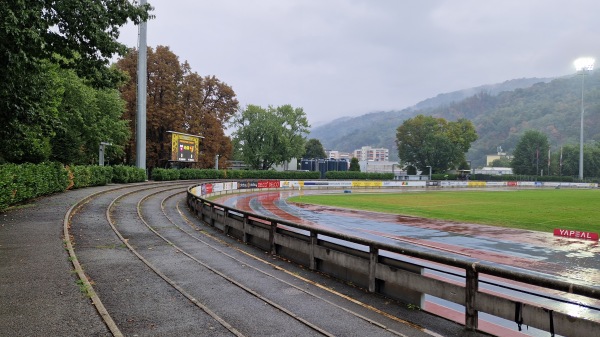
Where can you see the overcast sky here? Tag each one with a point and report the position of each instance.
(338, 58)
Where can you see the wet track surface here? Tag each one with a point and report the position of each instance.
(530, 250)
(559, 257)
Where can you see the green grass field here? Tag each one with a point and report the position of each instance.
(540, 210)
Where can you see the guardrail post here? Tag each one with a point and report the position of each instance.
(245, 228)
(373, 258)
(272, 237)
(212, 215)
(225, 222)
(471, 288)
(313, 246)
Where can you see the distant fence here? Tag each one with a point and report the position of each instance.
(384, 268)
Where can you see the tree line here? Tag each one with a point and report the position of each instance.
(60, 96)
(55, 77)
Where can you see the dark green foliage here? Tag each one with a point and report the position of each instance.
(85, 176)
(86, 117)
(269, 136)
(502, 162)
(354, 175)
(427, 141)
(36, 38)
(159, 174)
(314, 149)
(354, 166)
(19, 183)
(411, 170)
(128, 174)
(531, 153)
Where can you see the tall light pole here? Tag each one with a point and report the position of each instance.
(582, 65)
(142, 77)
(429, 172)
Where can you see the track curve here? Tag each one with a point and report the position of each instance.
(158, 272)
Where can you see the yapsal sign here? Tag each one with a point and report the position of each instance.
(576, 234)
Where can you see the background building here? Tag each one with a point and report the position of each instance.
(367, 153)
(338, 155)
(500, 155)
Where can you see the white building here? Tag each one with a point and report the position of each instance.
(367, 153)
(494, 170)
(379, 166)
(291, 165)
(338, 155)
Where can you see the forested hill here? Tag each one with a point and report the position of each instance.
(553, 107)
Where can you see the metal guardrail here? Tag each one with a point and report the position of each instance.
(373, 268)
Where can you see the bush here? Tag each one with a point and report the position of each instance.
(128, 174)
(23, 182)
(86, 176)
(160, 174)
(27, 181)
(355, 175)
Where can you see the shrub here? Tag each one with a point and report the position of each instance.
(85, 176)
(160, 174)
(355, 175)
(27, 181)
(128, 174)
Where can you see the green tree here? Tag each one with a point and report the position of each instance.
(266, 137)
(531, 153)
(427, 141)
(36, 35)
(87, 116)
(501, 162)
(26, 129)
(569, 165)
(354, 165)
(314, 149)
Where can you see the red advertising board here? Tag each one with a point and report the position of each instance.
(576, 234)
(511, 183)
(209, 188)
(268, 184)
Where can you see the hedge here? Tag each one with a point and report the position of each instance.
(85, 176)
(19, 183)
(160, 174)
(27, 181)
(128, 174)
(355, 175)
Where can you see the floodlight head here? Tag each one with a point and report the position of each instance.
(584, 63)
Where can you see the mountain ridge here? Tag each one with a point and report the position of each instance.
(500, 112)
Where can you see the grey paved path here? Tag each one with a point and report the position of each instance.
(38, 291)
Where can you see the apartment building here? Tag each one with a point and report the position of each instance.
(367, 153)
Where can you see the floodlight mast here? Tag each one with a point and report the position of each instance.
(141, 95)
(582, 65)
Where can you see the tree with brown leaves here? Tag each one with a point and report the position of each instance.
(179, 100)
